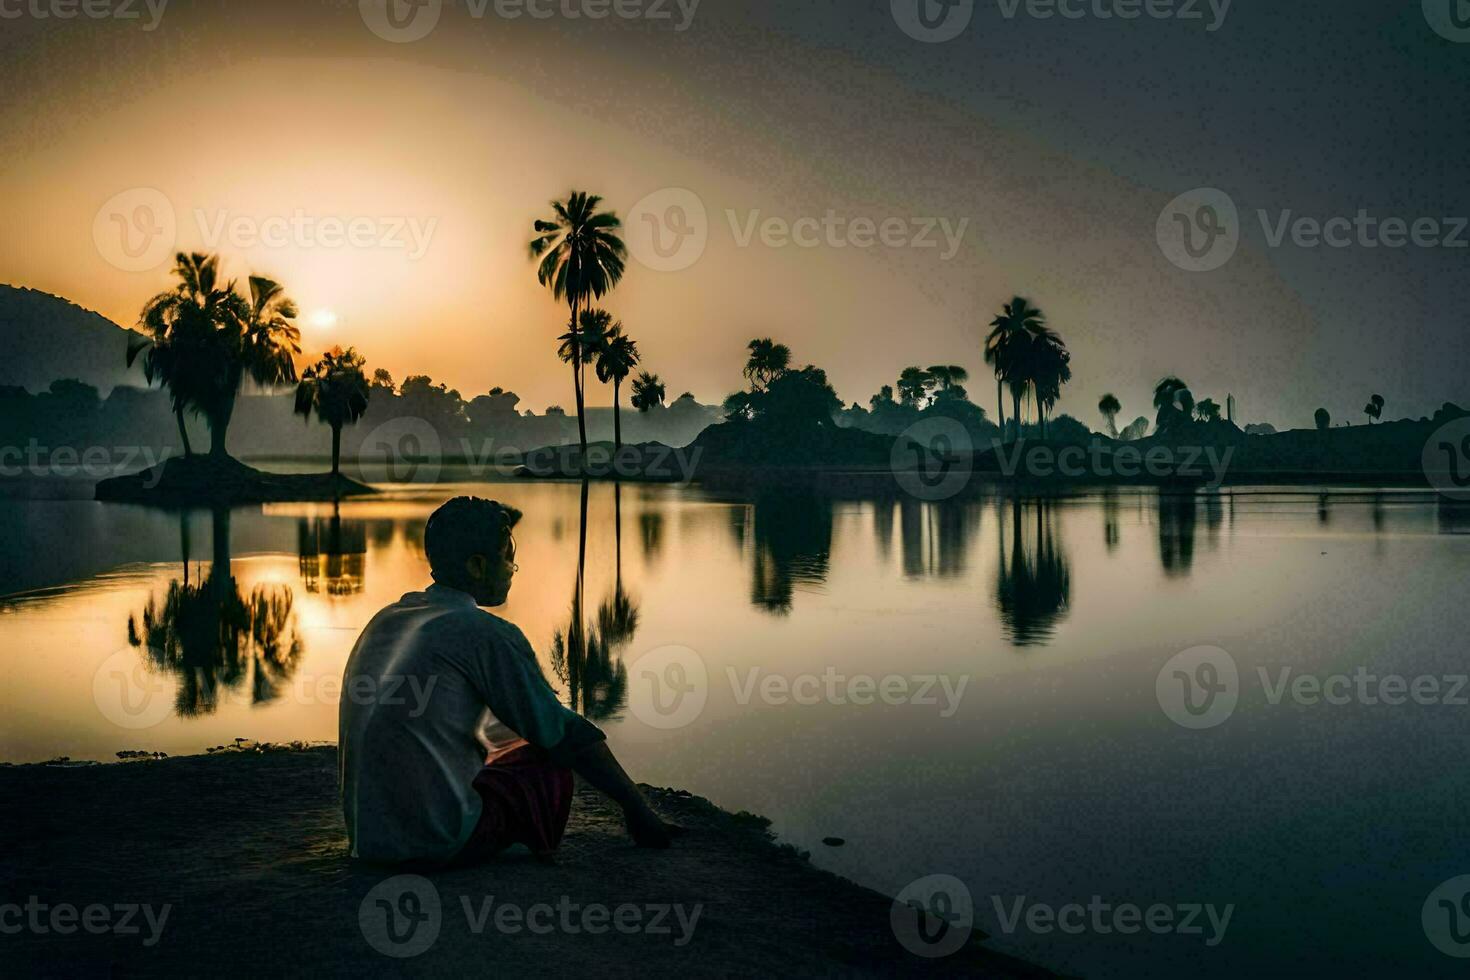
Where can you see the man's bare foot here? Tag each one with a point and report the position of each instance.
(648, 830)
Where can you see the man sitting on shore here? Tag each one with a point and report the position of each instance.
(415, 783)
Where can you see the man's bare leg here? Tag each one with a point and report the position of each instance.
(600, 767)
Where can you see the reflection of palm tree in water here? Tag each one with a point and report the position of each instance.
(793, 544)
(585, 654)
(1178, 516)
(332, 552)
(1032, 591)
(215, 639)
(1112, 532)
(936, 536)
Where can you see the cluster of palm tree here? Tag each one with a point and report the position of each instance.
(1028, 358)
(919, 386)
(580, 259)
(204, 337)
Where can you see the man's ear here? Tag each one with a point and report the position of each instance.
(477, 567)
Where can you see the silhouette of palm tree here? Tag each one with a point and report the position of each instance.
(1374, 409)
(1207, 411)
(1032, 593)
(1010, 333)
(648, 392)
(914, 385)
(581, 258)
(336, 390)
(204, 339)
(583, 657)
(213, 638)
(1109, 406)
(768, 361)
(615, 361)
(1174, 402)
(949, 377)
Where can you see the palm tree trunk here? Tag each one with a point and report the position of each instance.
(1000, 405)
(617, 419)
(577, 388)
(219, 425)
(336, 450)
(183, 432)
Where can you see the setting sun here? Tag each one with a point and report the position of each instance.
(322, 320)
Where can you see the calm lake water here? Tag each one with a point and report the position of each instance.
(970, 688)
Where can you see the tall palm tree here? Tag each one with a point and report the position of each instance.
(335, 389)
(648, 392)
(578, 346)
(178, 324)
(1050, 369)
(580, 258)
(1109, 406)
(615, 361)
(207, 339)
(1005, 349)
(768, 361)
(266, 344)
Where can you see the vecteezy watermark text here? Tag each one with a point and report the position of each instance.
(1104, 918)
(64, 919)
(1200, 231)
(406, 21)
(669, 230)
(93, 462)
(1106, 462)
(128, 10)
(937, 21)
(670, 685)
(403, 916)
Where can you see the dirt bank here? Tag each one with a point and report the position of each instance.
(248, 852)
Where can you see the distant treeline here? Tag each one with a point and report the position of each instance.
(73, 414)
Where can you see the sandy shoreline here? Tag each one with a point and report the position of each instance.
(248, 853)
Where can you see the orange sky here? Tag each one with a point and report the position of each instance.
(247, 117)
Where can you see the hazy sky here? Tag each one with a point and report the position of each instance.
(1046, 147)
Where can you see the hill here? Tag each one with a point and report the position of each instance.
(46, 337)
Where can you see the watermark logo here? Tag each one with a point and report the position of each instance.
(933, 459)
(669, 687)
(91, 9)
(1449, 18)
(668, 230)
(1199, 231)
(401, 21)
(128, 694)
(393, 233)
(933, 916)
(65, 919)
(1446, 917)
(405, 450)
(401, 917)
(1105, 918)
(1447, 460)
(135, 230)
(1199, 688)
(941, 691)
(933, 21)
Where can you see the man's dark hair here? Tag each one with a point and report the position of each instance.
(462, 528)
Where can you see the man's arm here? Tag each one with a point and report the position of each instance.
(596, 764)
